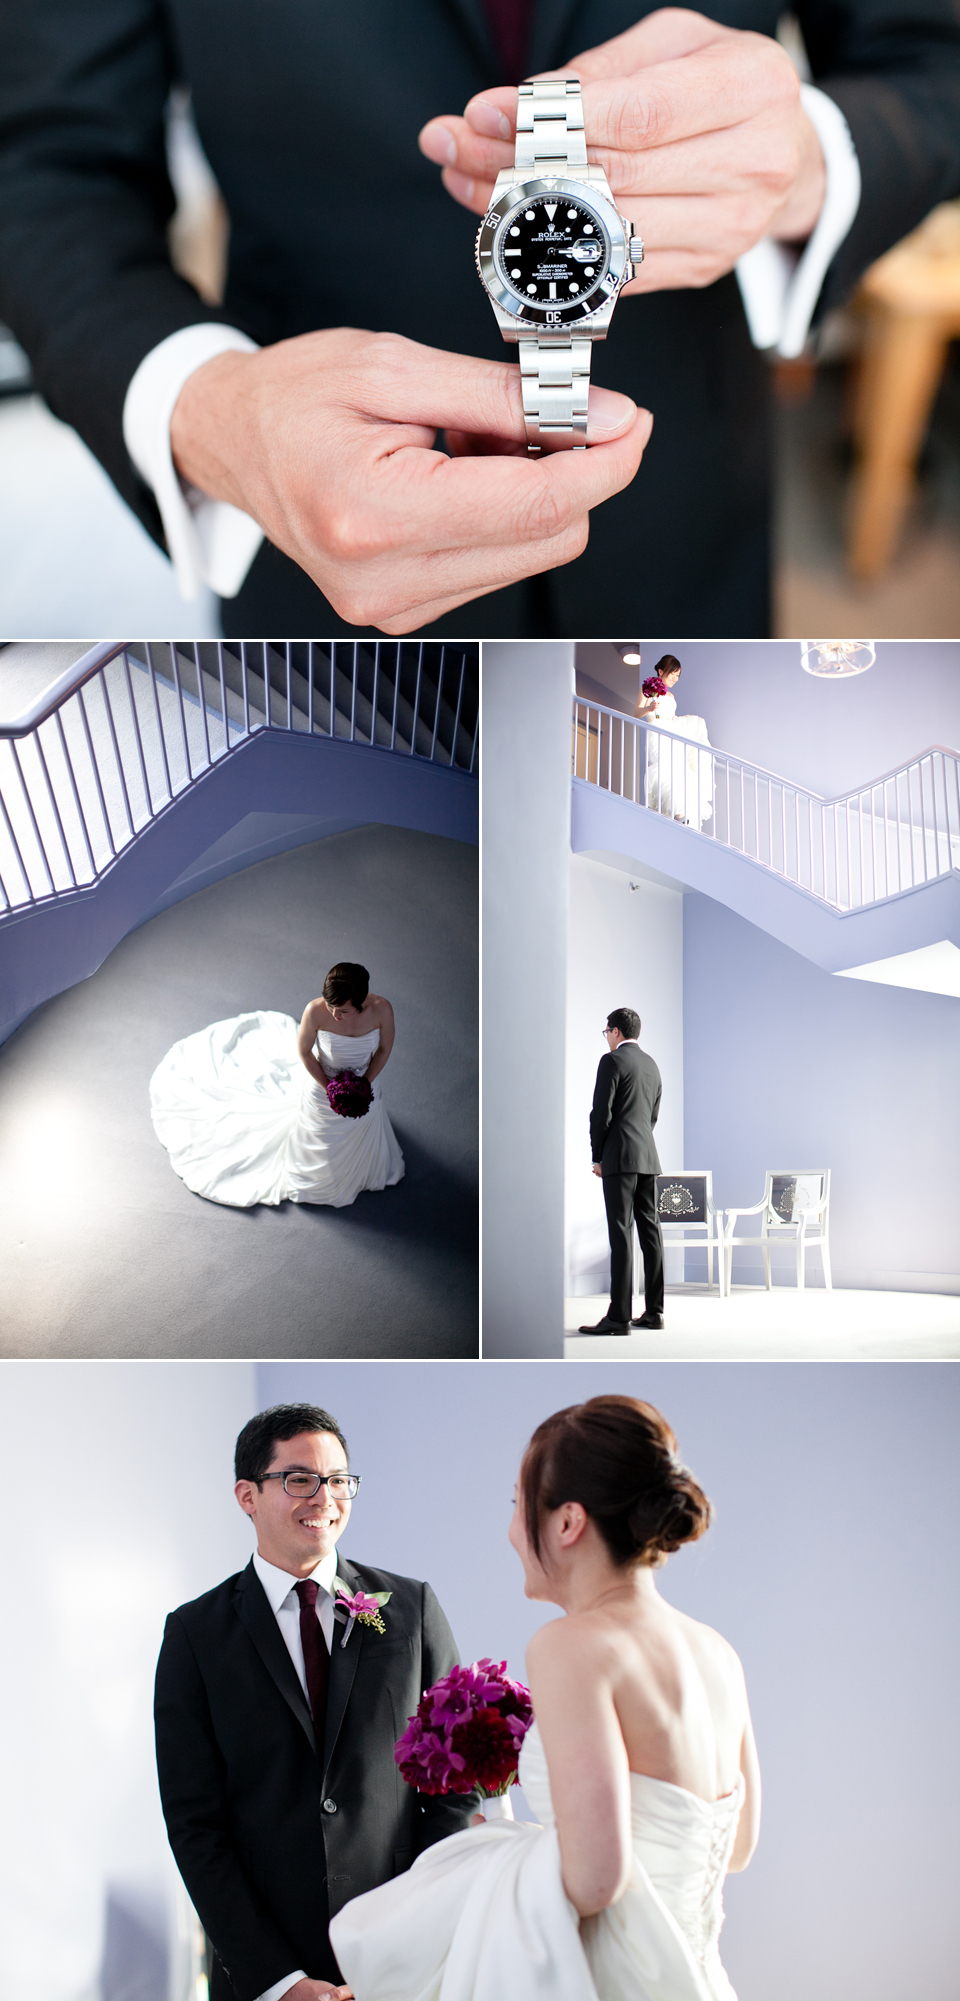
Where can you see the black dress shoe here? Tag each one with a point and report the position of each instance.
(607, 1326)
(648, 1320)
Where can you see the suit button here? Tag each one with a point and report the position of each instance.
(329, 1806)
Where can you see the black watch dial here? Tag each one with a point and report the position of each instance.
(553, 253)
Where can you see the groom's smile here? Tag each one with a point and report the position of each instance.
(293, 1532)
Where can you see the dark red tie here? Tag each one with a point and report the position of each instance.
(510, 27)
(316, 1659)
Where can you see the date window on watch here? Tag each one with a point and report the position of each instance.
(586, 250)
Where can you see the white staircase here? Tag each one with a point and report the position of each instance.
(127, 729)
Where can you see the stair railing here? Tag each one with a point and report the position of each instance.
(891, 835)
(111, 744)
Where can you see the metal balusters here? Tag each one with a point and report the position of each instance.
(375, 703)
(76, 794)
(459, 708)
(137, 738)
(436, 712)
(56, 813)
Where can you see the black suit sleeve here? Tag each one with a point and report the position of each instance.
(86, 282)
(193, 1792)
(441, 1813)
(893, 67)
(604, 1093)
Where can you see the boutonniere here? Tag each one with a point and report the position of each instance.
(362, 1605)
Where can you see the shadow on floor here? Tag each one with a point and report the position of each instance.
(106, 1253)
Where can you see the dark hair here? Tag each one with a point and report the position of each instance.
(669, 664)
(284, 1420)
(346, 982)
(618, 1457)
(627, 1020)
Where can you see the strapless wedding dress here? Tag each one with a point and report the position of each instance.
(243, 1122)
(678, 780)
(483, 1916)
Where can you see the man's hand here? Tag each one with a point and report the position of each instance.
(328, 442)
(699, 129)
(317, 1990)
(597, 1169)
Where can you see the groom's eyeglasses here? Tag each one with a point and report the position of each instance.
(303, 1486)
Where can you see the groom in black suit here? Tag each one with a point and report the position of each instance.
(626, 1104)
(276, 1723)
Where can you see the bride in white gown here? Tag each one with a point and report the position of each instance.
(641, 1763)
(679, 781)
(243, 1111)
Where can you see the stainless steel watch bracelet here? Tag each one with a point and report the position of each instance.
(555, 380)
(554, 368)
(550, 132)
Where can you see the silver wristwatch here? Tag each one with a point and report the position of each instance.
(553, 252)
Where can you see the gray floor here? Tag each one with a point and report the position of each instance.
(104, 1252)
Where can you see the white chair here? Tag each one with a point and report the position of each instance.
(796, 1202)
(685, 1203)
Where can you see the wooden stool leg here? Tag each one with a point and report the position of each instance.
(902, 367)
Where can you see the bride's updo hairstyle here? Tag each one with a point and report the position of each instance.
(618, 1457)
(344, 983)
(669, 664)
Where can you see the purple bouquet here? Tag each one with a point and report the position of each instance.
(467, 1732)
(654, 686)
(349, 1094)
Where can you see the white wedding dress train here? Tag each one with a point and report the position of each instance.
(483, 1916)
(244, 1122)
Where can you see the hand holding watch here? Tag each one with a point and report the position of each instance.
(553, 252)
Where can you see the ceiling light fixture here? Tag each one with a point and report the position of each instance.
(629, 652)
(837, 659)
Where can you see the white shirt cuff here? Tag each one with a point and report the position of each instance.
(281, 1987)
(779, 286)
(209, 542)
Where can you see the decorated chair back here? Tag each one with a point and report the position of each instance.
(685, 1198)
(791, 1190)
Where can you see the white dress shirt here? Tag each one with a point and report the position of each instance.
(211, 542)
(281, 1590)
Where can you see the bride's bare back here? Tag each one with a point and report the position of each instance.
(632, 1685)
(680, 1698)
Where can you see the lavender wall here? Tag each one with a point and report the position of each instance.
(759, 703)
(831, 1567)
(326, 785)
(785, 1065)
(831, 736)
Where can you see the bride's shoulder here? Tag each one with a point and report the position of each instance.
(711, 1648)
(578, 1639)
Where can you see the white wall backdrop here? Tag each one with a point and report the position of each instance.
(118, 1478)
(624, 949)
(525, 844)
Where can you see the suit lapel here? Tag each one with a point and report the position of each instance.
(553, 36)
(254, 1611)
(343, 1663)
(472, 17)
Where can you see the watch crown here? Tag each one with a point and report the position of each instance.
(635, 248)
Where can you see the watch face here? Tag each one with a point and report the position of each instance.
(553, 255)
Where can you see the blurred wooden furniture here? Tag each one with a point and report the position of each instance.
(910, 300)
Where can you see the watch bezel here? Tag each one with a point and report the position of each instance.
(577, 311)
